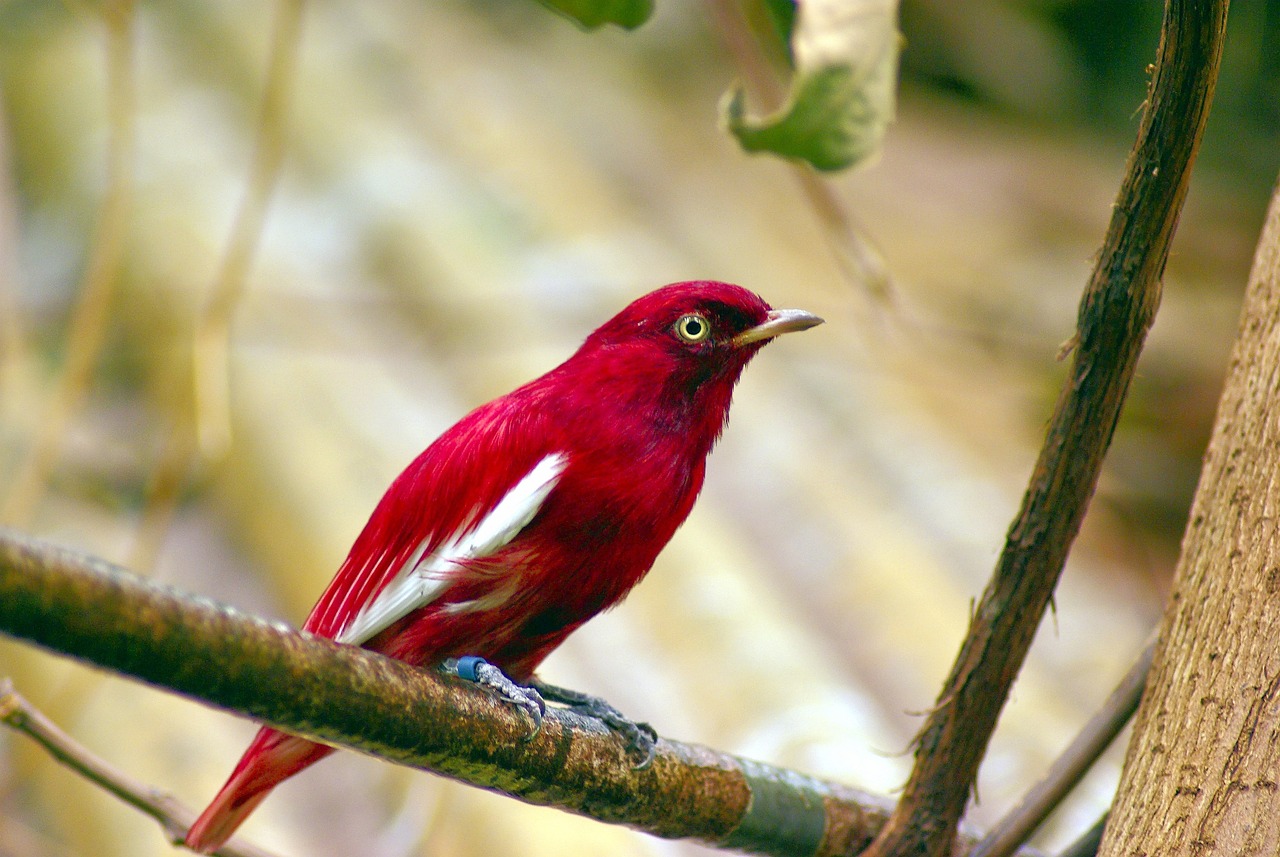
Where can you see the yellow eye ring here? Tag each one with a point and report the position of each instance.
(693, 327)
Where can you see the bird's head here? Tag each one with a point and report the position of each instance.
(683, 346)
(699, 323)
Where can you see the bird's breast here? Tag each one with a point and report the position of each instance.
(622, 505)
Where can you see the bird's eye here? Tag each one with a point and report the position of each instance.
(693, 327)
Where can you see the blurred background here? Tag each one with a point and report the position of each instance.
(255, 256)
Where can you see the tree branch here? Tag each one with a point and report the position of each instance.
(1116, 310)
(173, 816)
(342, 695)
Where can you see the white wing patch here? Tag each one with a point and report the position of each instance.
(422, 579)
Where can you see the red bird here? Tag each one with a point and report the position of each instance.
(534, 512)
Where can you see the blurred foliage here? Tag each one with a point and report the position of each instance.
(1061, 62)
(1068, 62)
(843, 91)
(628, 14)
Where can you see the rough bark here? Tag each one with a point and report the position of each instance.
(1203, 770)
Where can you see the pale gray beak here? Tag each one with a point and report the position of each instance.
(776, 323)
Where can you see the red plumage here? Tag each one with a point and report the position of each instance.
(535, 511)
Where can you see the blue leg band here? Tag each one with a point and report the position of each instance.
(468, 665)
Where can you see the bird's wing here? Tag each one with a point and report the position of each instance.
(428, 572)
(466, 496)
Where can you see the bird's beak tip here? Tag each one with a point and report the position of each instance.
(778, 322)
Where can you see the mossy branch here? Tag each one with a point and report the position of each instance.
(98, 613)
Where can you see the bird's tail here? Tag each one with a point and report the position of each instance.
(272, 758)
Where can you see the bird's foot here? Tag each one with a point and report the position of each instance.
(485, 674)
(641, 738)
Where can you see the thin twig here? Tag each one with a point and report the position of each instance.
(762, 81)
(1089, 842)
(855, 249)
(208, 430)
(164, 489)
(15, 355)
(89, 321)
(173, 816)
(1115, 313)
(213, 331)
(1067, 770)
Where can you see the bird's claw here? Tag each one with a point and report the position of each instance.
(485, 674)
(641, 738)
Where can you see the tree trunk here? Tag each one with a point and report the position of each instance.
(1203, 769)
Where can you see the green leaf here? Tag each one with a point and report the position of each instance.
(592, 14)
(844, 91)
(782, 16)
